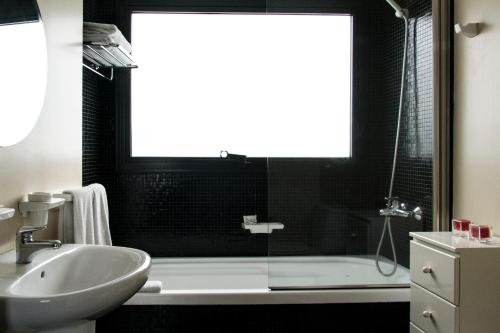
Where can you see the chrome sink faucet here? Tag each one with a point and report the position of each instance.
(26, 246)
(398, 209)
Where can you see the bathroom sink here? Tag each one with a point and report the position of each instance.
(70, 284)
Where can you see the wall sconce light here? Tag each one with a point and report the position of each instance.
(469, 30)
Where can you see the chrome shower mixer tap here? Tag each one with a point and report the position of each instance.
(397, 208)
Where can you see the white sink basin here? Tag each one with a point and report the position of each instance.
(70, 284)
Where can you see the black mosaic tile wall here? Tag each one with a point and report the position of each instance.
(413, 181)
(98, 129)
(91, 130)
(329, 206)
(97, 111)
(165, 213)
(334, 318)
(187, 214)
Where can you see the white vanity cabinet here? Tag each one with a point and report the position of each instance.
(455, 284)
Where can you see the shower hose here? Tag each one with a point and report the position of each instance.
(387, 222)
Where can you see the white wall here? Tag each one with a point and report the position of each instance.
(477, 115)
(50, 158)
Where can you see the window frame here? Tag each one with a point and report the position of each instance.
(124, 160)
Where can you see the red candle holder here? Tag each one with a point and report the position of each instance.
(481, 232)
(461, 227)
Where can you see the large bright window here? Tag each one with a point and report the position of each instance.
(259, 85)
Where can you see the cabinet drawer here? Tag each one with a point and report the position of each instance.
(431, 313)
(435, 270)
(415, 329)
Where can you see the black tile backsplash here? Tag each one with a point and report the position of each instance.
(329, 206)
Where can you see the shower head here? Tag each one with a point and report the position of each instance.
(400, 12)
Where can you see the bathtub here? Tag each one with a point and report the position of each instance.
(274, 280)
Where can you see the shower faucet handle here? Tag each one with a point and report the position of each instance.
(392, 201)
(395, 207)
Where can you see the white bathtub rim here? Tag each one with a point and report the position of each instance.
(255, 290)
(199, 274)
(255, 297)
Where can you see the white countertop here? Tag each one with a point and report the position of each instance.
(448, 241)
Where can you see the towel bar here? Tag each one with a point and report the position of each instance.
(100, 56)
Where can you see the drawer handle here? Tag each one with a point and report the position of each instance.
(427, 269)
(427, 314)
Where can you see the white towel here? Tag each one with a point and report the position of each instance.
(151, 287)
(102, 234)
(90, 221)
(103, 28)
(104, 33)
(83, 219)
(66, 226)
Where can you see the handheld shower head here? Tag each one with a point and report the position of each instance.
(400, 12)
